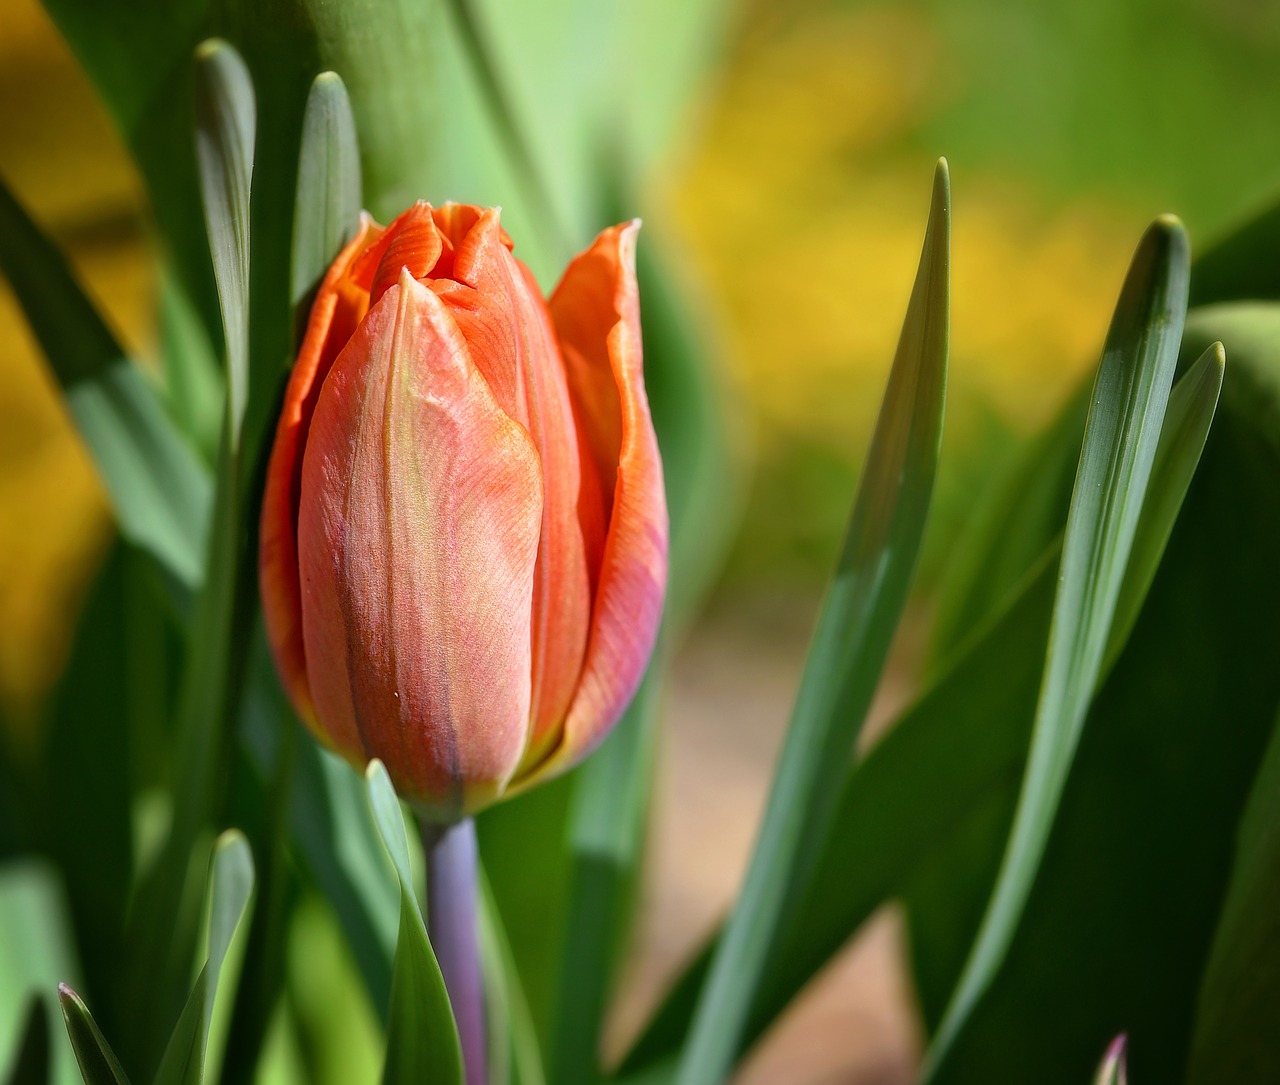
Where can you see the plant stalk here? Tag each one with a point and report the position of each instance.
(450, 852)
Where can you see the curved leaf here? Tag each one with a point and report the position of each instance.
(1129, 400)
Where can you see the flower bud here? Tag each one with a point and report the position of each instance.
(464, 531)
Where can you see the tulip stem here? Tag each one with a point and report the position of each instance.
(450, 852)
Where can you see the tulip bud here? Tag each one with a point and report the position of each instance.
(464, 531)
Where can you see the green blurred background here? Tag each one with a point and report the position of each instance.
(796, 194)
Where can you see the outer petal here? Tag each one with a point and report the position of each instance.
(596, 311)
(420, 514)
(339, 306)
(502, 315)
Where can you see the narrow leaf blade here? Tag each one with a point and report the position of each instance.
(1128, 406)
(328, 200)
(98, 1063)
(852, 640)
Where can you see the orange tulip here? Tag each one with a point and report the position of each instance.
(464, 532)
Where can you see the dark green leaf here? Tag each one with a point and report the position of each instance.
(955, 754)
(1129, 400)
(1235, 1037)
(98, 1063)
(158, 489)
(326, 210)
(854, 631)
(1124, 907)
(422, 1038)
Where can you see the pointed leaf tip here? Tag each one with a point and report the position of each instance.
(1113, 1071)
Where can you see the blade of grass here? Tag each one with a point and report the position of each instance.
(1127, 409)
(422, 1038)
(852, 639)
(328, 201)
(159, 491)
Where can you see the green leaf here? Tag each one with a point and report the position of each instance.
(854, 631)
(326, 210)
(954, 755)
(158, 490)
(98, 1063)
(422, 1038)
(1235, 1038)
(194, 1046)
(226, 123)
(1185, 429)
(1129, 400)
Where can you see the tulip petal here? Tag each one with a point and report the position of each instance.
(418, 531)
(596, 311)
(413, 243)
(501, 313)
(337, 310)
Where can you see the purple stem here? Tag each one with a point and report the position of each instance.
(451, 925)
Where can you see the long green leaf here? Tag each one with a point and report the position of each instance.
(98, 1063)
(961, 745)
(326, 210)
(1128, 406)
(1235, 1037)
(159, 491)
(1192, 405)
(422, 1038)
(226, 122)
(852, 640)
(192, 1048)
